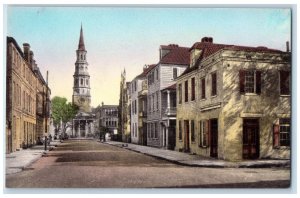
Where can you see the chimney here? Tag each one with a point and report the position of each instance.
(26, 49)
(287, 46)
(145, 67)
(207, 40)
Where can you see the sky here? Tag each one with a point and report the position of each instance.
(118, 38)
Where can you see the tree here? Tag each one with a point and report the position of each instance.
(62, 112)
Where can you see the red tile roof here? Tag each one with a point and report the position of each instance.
(177, 55)
(145, 72)
(210, 48)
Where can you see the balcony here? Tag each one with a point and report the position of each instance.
(143, 114)
(169, 112)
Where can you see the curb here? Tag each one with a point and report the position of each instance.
(38, 156)
(232, 165)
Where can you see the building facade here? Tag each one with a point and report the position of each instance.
(138, 111)
(233, 102)
(22, 82)
(124, 109)
(107, 117)
(173, 61)
(83, 123)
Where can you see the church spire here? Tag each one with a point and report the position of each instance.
(81, 41)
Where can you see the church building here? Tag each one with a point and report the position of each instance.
(83, 123)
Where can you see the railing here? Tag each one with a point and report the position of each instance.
(170, 111)
(143, 114)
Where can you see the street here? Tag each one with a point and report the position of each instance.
(90, 164)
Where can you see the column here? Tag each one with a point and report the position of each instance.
(92, 127)
(78, 129)
(163, 138)
(168, 100)
(86, 128)
(167, 134)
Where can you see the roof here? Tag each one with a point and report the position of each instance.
(177, 55)
(81, 45)
(209, 48)
(146, 71)
(12, 40)
(172, 87)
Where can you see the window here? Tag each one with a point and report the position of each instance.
(203, 88)
(153, 97)
(152, 130)
(87, 82)
(203, 136)
(156, 130)
(179, 130)
(174, 73)
(179, 94)
(193, 89)
(186, 91)
(282, 132)
(81, 81)
(250, 81)
(192, 131)
(157, 74)
(157, 101)
(214, 84)
(284, 83)
(149, 130)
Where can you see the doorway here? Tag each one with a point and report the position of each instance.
(250, 138)
(214, 138)
(187, 136)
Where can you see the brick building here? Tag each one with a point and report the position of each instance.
(22, 92)
(233, 102)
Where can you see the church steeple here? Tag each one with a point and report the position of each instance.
(81, 88)
(81, 41)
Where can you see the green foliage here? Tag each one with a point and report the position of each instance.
(62, 111)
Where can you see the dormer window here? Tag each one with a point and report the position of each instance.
(195, 54)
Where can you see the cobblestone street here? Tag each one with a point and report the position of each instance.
(90, 164)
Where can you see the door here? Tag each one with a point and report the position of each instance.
(187, 136)
(251, 139)
(171, 136)
(214, 138)
(144, 133)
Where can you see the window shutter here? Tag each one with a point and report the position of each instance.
(242, 81)
(284, 82)
(258, 82)
(276, 135)
(207, 132)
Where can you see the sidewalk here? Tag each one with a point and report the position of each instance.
(187, 159)
(19, 160)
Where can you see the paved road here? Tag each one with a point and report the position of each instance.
(90, 164)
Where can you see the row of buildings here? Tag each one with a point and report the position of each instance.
(27, 98)
(217, 100)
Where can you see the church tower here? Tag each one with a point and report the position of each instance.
(81, 87)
